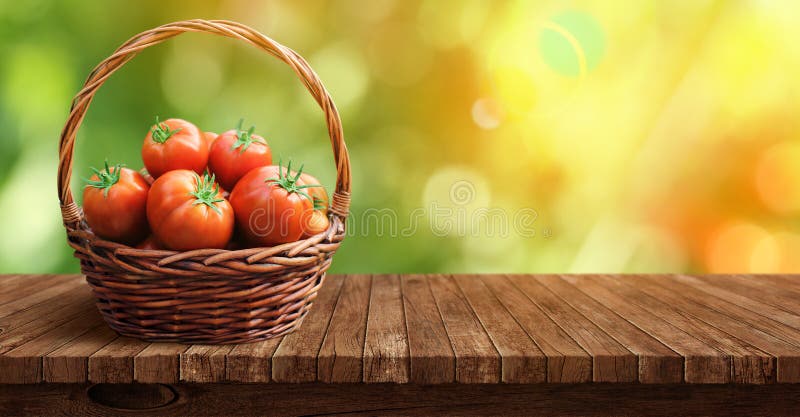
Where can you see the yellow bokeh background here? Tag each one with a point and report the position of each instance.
(646, 136)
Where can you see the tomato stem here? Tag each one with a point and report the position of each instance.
(161, 132)
(206, 192)
(289, 183)
(243, 137)
(105, 178)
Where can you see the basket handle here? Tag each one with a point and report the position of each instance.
(70, 211)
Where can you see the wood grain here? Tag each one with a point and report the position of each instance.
(23, 364)
(252, 362)
(70, 362)
(439, 329)
(432, 359)
(113, 363)
(703, 364)
(734, 303)
(31, 322)
(477, 360)
(204, 363)
(749, 364)
(159, 362)
(40, 291)
(658, 364)
(522, 361)
(757, 330)
(295, 360)
(611, 361)
(341, 355)
(756, 289)
(386, 356)
(566, 360)
(402, 400)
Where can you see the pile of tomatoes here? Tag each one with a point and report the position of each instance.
(202, 190)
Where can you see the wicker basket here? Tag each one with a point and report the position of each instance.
(208, 295)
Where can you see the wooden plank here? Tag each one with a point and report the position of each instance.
(406, 400)
(204, 363)
(788, 283)
(756, 289)
(658, 364)
(23, 364)
(159, 363)
(113, 363)
(295, 360)
(70, 362)
(477, 360)
(756, 320)
(703, 364)
(35, 320)
(13, 287)
(341, 355)
(611, 361)
(749, 364)
(432, 360)
(386, 357)
(764, 309)
(522, 362)
(38, 291)
(252, 362)
(746, 326)
(11, 282)
(567, 362)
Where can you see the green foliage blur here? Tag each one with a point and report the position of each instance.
(598, 121)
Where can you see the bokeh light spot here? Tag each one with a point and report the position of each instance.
(742, 247)
(451, 196)
(344, 71)
(516, 89)
(487, 113)
(777, 177)
(572, 43)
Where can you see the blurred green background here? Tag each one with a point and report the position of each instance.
(636, 136)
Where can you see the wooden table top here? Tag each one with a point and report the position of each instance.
(439, 329)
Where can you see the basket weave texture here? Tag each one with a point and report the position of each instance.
(212, 296)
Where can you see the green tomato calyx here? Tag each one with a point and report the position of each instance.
(161, 132)
(290, 183)
(207, 192)
(105, 178)
(243, 137)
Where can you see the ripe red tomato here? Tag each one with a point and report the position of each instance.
(187, 212)
(151, 243)
(114, 202)
(209, 137)
(316, 223)
(174, 144)
(317, 193)
(147, 177)
(236, 152)
(271, 206)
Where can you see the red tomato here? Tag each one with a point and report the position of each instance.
(174, 144)
(147, 177)
(316, 223)
(114, 202)
(271, 206)
(209, 137)
(187, 212)
(317, 193)
(236, 152)
(151, 243)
